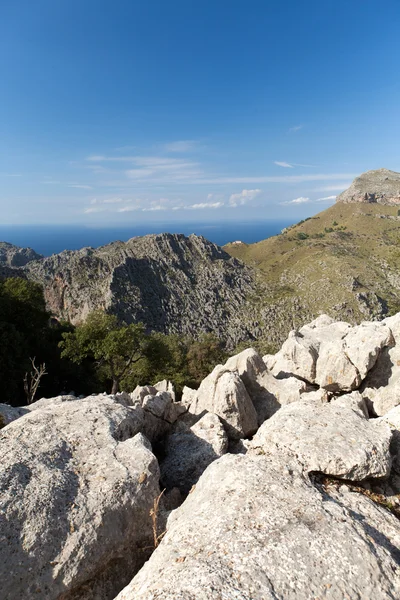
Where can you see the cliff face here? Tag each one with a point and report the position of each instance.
(172, 283)
(13, 256)
(381, 186)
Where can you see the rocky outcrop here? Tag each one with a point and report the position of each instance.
(336, 438)
(189, 451)
(77, 483)
(171, 283)
(332, 355)
(257, 528)
(381, 186)
(267, 392)
(224, 393)
(277, 485)
(14, 256)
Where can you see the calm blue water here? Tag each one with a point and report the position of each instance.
(49, 240)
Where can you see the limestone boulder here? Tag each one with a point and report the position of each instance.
(189, 451)
(166, 386)
(267, 392)
(77, 483)
(255, 528)
(332, 355)
(336, 438)
(381, 388)
(224, 393)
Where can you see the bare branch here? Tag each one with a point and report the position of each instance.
(32, 381)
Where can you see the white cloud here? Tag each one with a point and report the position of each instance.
(180, 146)
(112, 200)
(243, 197)
(154, 208)
(94, 209)
(296, 128)
(130, 208)
(326, 199)
(278, 179)
(283, 164)
(80, 187)
(206, 205)
(334, 188)
(301, 200)
(138, 173)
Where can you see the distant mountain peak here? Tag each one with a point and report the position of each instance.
(380, 186)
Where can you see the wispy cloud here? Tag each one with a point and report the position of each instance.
(295, 128)
(326, 199)
(181, 146)
(154, 208)
(301, 200)
(94, 209)
(292, 165)
(10, 174)
(278, 179)
(80, 187)
(243, 197)
(283, 164)
(204, 205)
(333, 188)
(129, 208)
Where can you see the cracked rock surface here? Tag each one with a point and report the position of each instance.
(255, 528)
(77, 483)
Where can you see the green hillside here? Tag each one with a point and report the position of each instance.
(344, 261)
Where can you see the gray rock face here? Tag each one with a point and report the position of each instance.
(224, 394)
(381, 186)
(10, 413)
(381, 388)
(256, 529)
(189, 451)
(14, 256)
(336, 438)
(171, 283)
(77, 483)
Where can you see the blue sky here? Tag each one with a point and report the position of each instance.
(132, 111)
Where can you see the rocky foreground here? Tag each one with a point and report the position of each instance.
(281, 478)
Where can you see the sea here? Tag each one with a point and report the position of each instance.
(51, 239)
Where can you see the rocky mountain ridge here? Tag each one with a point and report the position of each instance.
(281, 479)
(171, 283)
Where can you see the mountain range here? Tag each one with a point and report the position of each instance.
(344, 261)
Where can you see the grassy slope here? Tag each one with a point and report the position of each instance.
(351, 273)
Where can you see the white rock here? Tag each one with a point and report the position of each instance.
(333, 355)
(255, 529)
(75, 494)
(166, 386)
(267, 392)
(189, 451)
(224, 394)
(335, 438)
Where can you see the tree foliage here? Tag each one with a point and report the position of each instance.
(115, 348)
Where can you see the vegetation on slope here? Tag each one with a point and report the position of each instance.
(345, 261)
(100, 354)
